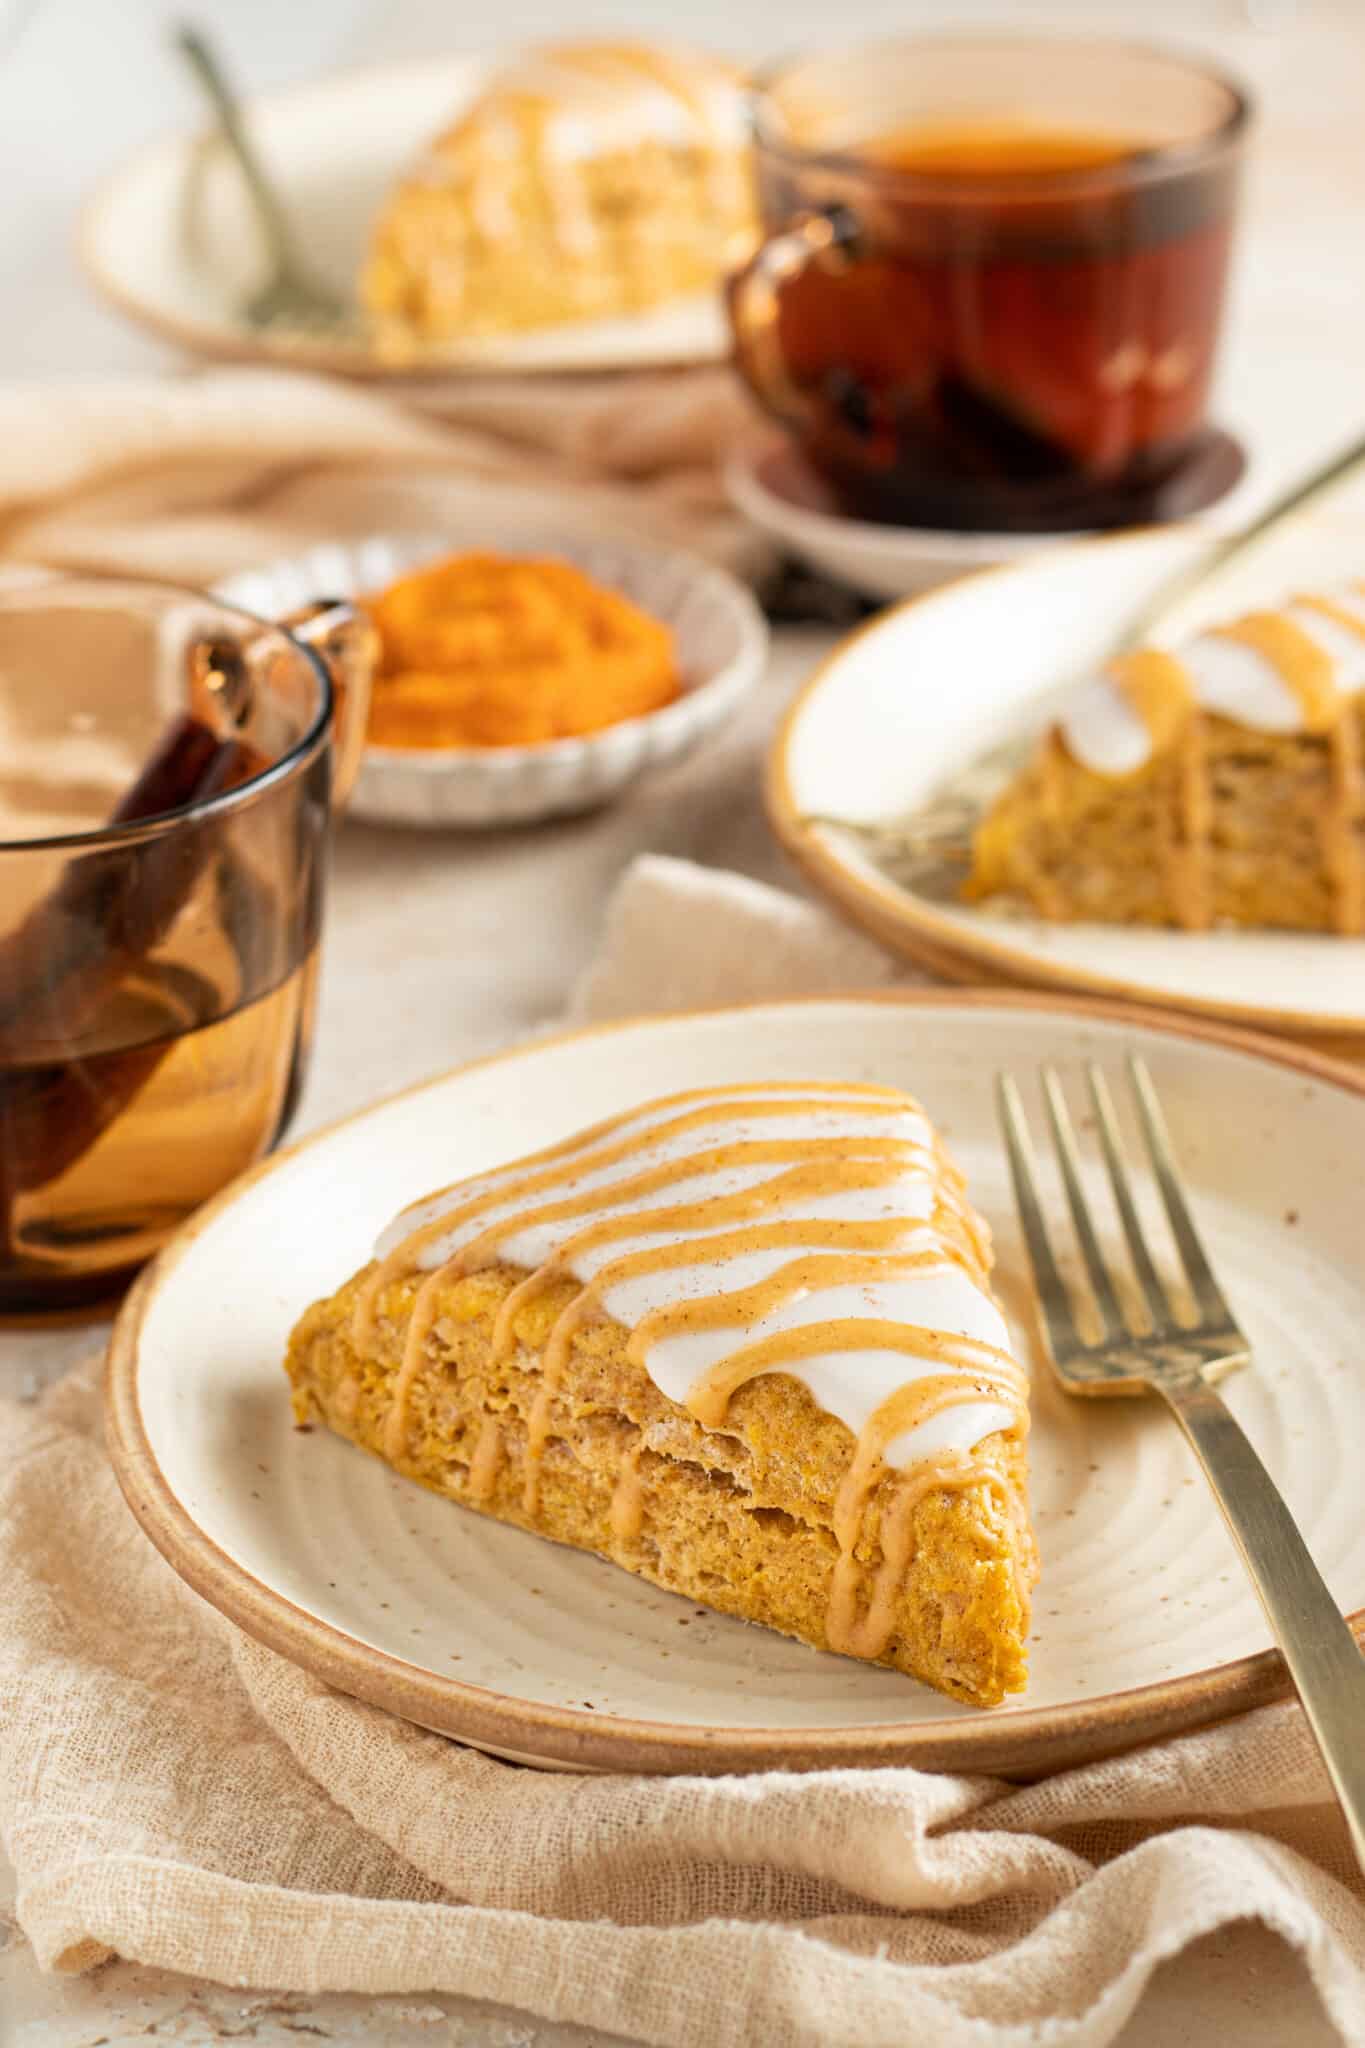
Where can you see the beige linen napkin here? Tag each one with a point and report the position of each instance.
(173, 1792)
(192, 477)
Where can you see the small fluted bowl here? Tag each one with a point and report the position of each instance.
(719, 632)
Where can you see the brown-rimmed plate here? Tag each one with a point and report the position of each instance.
(1144, 1623)
(907, 702)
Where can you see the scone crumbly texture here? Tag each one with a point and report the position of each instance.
(1258, 842)
(1221, 782)
(586, 182)
(738, 1518)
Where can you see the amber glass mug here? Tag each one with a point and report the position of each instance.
(993, 278)
(168, 770)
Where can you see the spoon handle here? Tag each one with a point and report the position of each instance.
(1232, 546)
(206, 67)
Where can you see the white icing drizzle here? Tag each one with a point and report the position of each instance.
(591, 99)
(1238, 683)
(1104, 730)
(1345, 645)
(807, 1220)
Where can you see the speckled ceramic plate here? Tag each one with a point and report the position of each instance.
(1143, 1623)
(170, 240)
(909, 700)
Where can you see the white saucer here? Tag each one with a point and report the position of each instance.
(781, 495)
(775, 488)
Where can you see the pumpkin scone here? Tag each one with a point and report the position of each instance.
(1222, 783)
(585, 181)
(739, 1340)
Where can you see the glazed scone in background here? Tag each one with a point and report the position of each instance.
(1223, 783)
(586, 181)
(741, 1342)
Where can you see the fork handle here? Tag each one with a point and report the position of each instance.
(1322, 1654)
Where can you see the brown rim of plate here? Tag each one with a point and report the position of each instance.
(1018, 1742)
(229, 342)
(915, 929)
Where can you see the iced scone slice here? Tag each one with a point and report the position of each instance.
(590, 180)
(1218, 783)
(742, 1342)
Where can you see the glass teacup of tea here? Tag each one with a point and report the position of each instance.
(168, 766)
(993, 282)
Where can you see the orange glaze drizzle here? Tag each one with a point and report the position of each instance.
(1307, 669)
(483, 1466)
(630, 67)
(1343, 828)
(747, 1304)
(483, 1251)
(627, 1512)
(709, 1399)
(867, 1634)
(1310, 672)
(1158, 688)
(1343, 825)
(585, 1152)
(1189, 831)
(833, 1252)
(1160, 691)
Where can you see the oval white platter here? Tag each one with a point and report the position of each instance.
(1144, 1622)
(905, 703)
(170, 240)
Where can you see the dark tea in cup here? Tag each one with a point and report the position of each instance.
(992, 289)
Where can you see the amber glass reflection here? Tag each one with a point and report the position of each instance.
(164, 770)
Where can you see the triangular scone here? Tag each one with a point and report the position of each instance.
(739, 1340)
(1220, 784)
(584, 181)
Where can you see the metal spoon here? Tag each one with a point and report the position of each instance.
(291, 297)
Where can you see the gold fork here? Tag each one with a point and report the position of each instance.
(1179, 1359)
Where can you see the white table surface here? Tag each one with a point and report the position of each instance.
(438, 949)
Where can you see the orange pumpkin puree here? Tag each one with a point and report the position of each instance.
(485, 650)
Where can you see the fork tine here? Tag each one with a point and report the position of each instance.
(1157, 1302)
(1198, 1271)
(1053, 1298)
(1064, 1137)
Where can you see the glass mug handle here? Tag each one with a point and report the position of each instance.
(828, 239)
(347, 644)
(224, 699)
